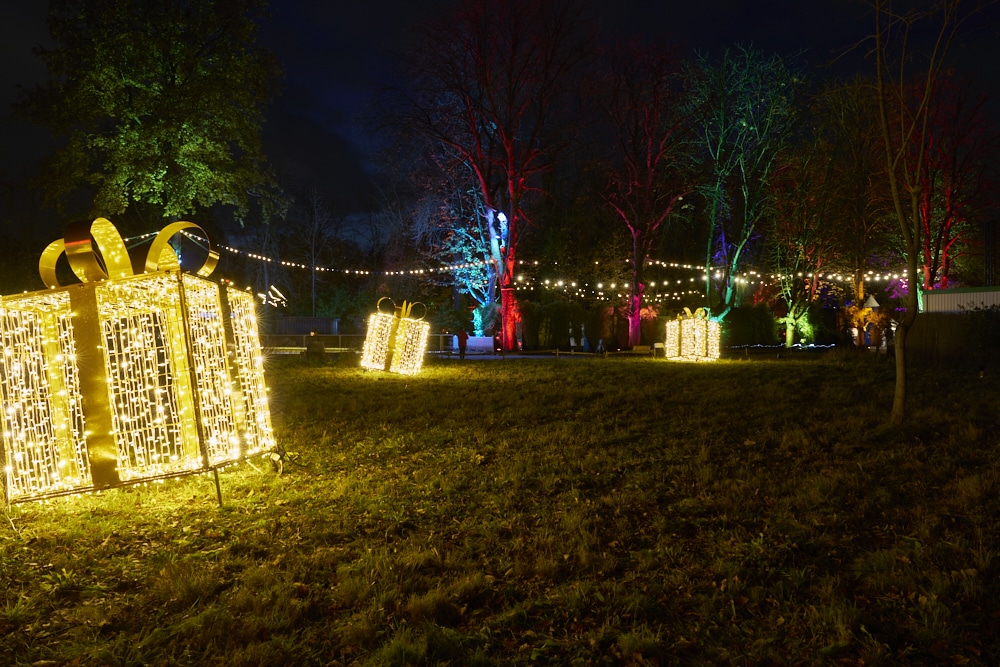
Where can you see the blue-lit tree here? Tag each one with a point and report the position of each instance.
(448, 227)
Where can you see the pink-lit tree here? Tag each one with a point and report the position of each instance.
(649, 123)
(493, 85)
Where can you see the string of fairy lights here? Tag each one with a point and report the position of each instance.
(178, 386)
(525, 280)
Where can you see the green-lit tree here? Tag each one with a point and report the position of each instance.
(745, 106)
(801, 229)
(160, 104)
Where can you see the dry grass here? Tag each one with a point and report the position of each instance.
(572, 511)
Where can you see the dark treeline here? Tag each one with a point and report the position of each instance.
(538, 167)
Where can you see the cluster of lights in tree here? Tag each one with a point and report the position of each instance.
(395, 342)
(126, 378)
(693, 338)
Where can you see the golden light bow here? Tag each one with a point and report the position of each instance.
(395, 341)
(139, 372)
(693, 337)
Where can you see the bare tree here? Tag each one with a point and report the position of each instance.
(311, 230)
(650, 173)
(801, 231)
(907, 140)
(863, 227)
(491, 84)
(746, 112)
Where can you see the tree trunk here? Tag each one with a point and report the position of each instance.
(902, 330)
(635, 319)
(789, 332)
(637, 290)
(509, 317)
(899, 393)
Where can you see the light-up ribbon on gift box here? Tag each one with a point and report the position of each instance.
(396, 341)
(110, 259)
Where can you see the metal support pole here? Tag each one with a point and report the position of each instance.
(218, 487)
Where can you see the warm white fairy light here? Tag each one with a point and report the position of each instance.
(409, 346)
(249, 361)
(163, 396)
(695, 338)
(395, 342)
(376, 348)
(41, 421)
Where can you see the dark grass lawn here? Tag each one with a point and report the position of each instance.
(580, 511)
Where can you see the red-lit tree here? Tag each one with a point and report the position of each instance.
(492, 84)
(956, 181)
(649, 175)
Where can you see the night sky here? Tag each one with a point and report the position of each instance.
(336, 53)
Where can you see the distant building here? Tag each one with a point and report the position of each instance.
(960, 300)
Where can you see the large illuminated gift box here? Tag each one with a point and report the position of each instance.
(693, 337)
(395, 341)
(131, 375)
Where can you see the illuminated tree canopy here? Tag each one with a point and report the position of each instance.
(489, 85)
(746, 109)
(160, 103)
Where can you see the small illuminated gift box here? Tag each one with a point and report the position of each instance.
(693, 337)
(395, 341)
(134, 374)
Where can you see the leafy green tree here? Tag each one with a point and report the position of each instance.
(160, 103)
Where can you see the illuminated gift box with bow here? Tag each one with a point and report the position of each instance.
(693, 337)
(395, 341)
(136, 373)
